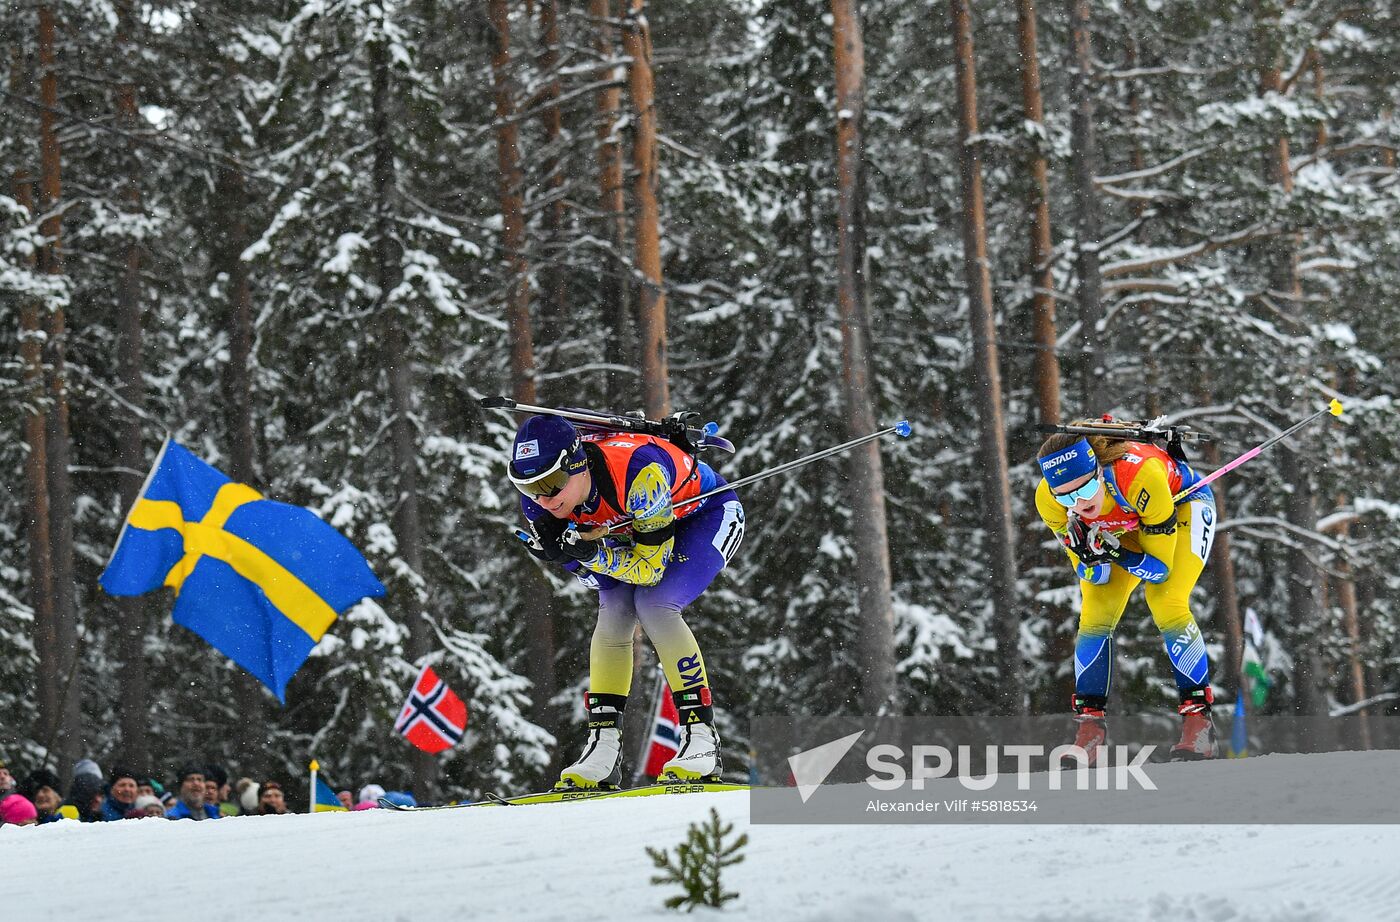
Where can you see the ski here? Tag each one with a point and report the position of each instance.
(674, 787)
(554, 797)
(646, 790)
(493, 799)
(680, 428)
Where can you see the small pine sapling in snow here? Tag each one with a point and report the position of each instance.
(698, 862)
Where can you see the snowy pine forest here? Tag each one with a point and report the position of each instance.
(304, 237)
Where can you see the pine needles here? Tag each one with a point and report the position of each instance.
(698, 862)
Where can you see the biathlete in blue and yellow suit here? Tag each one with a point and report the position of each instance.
(1109, 501)
(572, 486)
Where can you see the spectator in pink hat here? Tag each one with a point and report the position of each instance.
(16, 810)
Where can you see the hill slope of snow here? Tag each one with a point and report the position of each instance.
(585, 861)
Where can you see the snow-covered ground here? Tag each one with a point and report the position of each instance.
(585, 861)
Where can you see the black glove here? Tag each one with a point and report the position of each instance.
(1082, 543)
(1108, 545)
(576, 547)
(546, 533)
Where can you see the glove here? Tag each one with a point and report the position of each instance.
(1086, 544)
(1137, 563)
(576, 547)
(1107, 545)
(546, 535)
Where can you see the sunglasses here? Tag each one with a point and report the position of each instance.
(1086, 492)
(547, 484)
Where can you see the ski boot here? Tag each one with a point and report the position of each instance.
(1197, 727)
(1092, 726)
(698, 759)
(600, 766)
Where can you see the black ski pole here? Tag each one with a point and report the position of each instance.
(901, 429)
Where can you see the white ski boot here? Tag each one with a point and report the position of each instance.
(600, 766)
(698, 759)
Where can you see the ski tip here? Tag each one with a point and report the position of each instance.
(902, 429)
(496, 403)
(1335, 407)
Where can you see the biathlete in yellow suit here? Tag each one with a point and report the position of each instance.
(1109, 502)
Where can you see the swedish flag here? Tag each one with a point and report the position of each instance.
(261, 581)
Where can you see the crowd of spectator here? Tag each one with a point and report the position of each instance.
(198, 792)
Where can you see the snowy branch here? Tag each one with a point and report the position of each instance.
(1194, 251)
(1149, 172)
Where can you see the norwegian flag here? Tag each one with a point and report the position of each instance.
(433, 718)
(665, 733)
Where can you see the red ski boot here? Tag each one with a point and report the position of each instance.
(1197, 727)
(1092, 729)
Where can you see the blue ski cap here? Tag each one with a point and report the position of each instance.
(1069, 464)
(543, 443)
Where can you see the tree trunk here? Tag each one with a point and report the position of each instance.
(1356, 669)
(1387, 153)
(1305, 610)
(1304, 581)
(36, 509)
(398, 364)
(651, 306)
(618, 293)
(656, 388)
(1047, 364)
(64, 725)
(867, 486)
(135, 695)
(1085, 156)
(996, 487)
(250, 698)
(1222, 566)
(536, 595)
(1138, 161)
(37, 491)
(1344, 588)
(1319, 93)
(522, 348)
(556, 299)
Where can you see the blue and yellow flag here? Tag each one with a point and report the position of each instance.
(260, 580)
(325, 800)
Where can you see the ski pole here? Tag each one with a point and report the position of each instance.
(1335, 408)
(901, 429)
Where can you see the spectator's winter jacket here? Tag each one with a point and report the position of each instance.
(80, 795)
(182, 812)
(114, 809)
